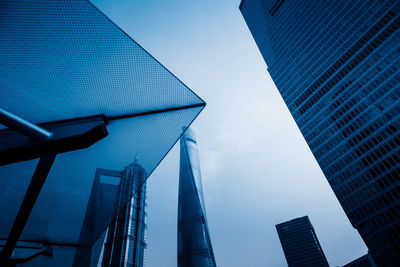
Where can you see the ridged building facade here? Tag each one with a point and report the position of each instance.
(300, 243)
(336, 64)
(194, 243)
(125, 241)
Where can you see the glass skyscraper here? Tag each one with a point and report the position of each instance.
(300, 243)
(120, 195)
(336, 65)
(125, 243)
(194, 244)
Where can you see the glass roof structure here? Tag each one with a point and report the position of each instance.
(64, 62)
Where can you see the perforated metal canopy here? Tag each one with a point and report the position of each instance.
(62, 60)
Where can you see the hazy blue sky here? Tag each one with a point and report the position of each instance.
(257, 169)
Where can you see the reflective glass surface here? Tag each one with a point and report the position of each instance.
(64, 60)
(336, 65)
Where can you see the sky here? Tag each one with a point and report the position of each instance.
(257, 168)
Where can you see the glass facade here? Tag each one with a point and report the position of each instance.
(300, 243)
(125, 242)
(194, 243)
(68, 69)
(336, 65)
(120, 195)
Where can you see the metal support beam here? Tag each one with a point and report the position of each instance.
(24, 127)
(68, 136)
(32, 193)
(46, 251)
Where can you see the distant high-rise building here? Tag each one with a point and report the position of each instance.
(363, 261)
(337, 66)
(100, 209)
(300, 243)
(120, 195)
(126, 235)
(194, 244)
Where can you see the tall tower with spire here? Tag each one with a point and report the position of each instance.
(194, 244)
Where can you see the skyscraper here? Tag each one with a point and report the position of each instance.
(120, 195)
(336, 65)
(194, 244)
(300, 243)
(126, 235)
(100, 209)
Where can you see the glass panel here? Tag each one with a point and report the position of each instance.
(14, 180)
(60, 209)
(64, 60)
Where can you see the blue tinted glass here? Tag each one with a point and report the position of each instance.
(336, 65)
(63, 60)
(65, 194)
